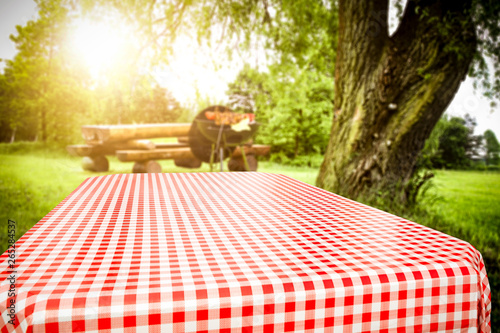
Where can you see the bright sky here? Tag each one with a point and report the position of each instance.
(12, 13)
(191, 71)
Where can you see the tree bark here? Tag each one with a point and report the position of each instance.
(391, 90)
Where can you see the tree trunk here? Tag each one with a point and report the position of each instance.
(390, 91)
(44, 124)
(48, 77)
(298, 134)
(13, 136)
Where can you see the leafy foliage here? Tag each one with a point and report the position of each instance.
(39, 88)
(485, 16)
(447, 30)
(453, 145)
(492, 148)
(156, 105)
(293, 105)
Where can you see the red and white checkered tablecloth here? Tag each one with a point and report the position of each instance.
(225, 252)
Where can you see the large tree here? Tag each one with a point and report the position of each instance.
(390, 90)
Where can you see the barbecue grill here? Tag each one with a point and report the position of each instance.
(214, 135)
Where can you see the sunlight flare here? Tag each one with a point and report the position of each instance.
(103, 45)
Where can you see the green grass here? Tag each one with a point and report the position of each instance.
(307, 175)
(466, 204)
(470, 207)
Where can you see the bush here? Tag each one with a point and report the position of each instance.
(493, 168)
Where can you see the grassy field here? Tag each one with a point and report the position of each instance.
(464, 204)
(470, 206)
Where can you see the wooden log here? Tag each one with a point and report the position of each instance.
(146, 167)
(183, 139)
(134, 144)
(95, 163)
(109, 149)
(116, 133)
(191, 163)
(88, 150)
(171, 145)
(237, 163)
(156, 154)
(258, 150)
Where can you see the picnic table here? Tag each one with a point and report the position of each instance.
(237, 252)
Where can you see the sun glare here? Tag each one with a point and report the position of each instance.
(191, 72)
(109, 46)
(102, 45)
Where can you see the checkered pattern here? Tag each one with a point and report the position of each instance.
(249, 252)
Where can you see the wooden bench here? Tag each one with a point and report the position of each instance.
(129, 144)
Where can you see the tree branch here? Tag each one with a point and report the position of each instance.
(420, 16)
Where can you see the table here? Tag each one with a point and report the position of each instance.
(250, 252)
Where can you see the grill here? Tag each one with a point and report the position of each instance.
(217, 131)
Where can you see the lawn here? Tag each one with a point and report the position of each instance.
(464, 204)
(470, 205)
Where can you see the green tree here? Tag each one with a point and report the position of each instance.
(293, 105)
(492, 148)
(390, 90)
(45, 90)
(155, 105)
(452, 144)
(474, 142)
